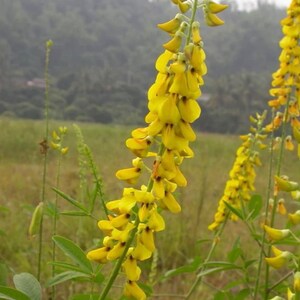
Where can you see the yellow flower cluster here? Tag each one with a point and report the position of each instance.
(136, 217)
(286, 80)
(241, 183)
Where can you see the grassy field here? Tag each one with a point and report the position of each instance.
(20, 191)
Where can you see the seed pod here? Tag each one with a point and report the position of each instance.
(35, 223)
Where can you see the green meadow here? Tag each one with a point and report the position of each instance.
(21, 171)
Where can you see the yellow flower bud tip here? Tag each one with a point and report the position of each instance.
(64, 150)
(280, 260)
(171, 26)
(276, 251)
(133, 291)
(184, 6)
(280, 207)
(63, 129)
(55, 136)
(296, 133)
(295, 217)
(297, 282)
(196, 33)
(55, 146)
(290, 295)
(174, 44)
(216, 7)
(285, 185)
(212, 19)
(296, 195)
(276, 234)
(288, 143)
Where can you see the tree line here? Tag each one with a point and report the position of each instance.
(102, 61)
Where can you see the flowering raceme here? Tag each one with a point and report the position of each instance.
(286, 80)
(242, 175)
(172, 101)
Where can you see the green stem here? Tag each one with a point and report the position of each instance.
(118, 265)
(278, 170)
(262, 251)
(45, 152)
(194, 10)
(209, 255)
(54, 229)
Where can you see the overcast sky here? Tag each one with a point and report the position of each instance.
(248, 4)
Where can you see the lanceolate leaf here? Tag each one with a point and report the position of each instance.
(70, 199)
(74, 252)
(66, 266)
(254, 206)
(235, 211)
(75, 213)
(29, 285)
(12, 294)
(192, 267)
(65, 276)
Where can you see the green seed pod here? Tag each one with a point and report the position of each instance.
(35, 222)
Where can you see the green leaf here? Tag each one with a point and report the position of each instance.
(235, 252)
(64, 265)
(225, 264)
(255, 205)
(99, 278)
(85, 297)
(220, 296)
(65, 276)
(192, 267)
(12, 294)
(75, 213)
(248, 263)
(70, 200)
(3, 274)
(234, 210)
(217, 269)
(74, 252)
(29, 285)
(243, 294)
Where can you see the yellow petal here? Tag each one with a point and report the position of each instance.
(132, 290)
(131, 269)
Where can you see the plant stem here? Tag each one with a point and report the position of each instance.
(118, 265)
(262, 252)
(44, 146)
(209, 255)
(54, 229)
(278, 169)
(194, 10)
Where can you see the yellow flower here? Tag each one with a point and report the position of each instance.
(297, 282)
(131, 175)
(283, 184)
(212, 19)
(216, 7)
(278, 261)
(174, 44)
(134, 291)
(171, 26)
(131, 269)
(276, 234)
(280, 207)
(290, 295)
(295, 217)
(99, 255)
(288, 143)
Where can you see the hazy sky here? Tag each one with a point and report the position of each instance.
(248, 4)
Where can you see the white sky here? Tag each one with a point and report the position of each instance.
(248, 4)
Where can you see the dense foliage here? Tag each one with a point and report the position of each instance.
(101, 64)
